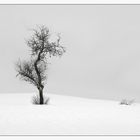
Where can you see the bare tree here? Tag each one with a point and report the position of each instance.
(34, 71)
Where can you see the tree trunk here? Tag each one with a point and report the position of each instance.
(41, 96)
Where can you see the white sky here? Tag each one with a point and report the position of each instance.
(103, 48)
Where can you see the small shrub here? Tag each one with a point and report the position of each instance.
(126, 102)
(36, 100)
(46, 100)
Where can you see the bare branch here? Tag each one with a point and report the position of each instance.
(25, 71)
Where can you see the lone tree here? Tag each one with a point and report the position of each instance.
(34, 71)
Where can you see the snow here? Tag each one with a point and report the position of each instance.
(67, 115)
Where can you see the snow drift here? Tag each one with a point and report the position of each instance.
(66, 115)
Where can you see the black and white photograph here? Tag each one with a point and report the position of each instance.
(69, 69)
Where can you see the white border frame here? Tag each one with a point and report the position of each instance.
(69, 1)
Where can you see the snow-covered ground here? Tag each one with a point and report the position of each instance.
(66, 115)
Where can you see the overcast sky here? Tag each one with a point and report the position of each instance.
(103, 48)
